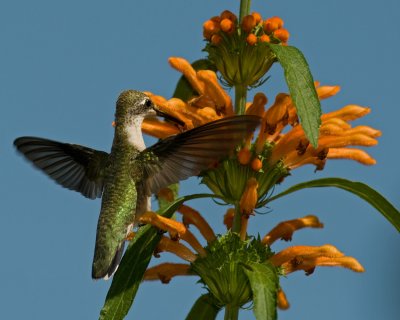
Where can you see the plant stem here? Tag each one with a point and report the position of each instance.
(244, 8)
(231, 312)
(237, 219)
(240, 98)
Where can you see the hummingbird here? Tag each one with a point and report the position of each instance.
(127, 176)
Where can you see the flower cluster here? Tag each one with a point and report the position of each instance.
(252, 26)
(240, 50)
(257, 167)
(219, 264)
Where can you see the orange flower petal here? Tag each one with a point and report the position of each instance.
(213, 89)
(285, 229)
(277, 112)
(228, 218)
(325, 92)
(187, 70)
(180, 250)
(342, 141)
(191, 216)
(353, 154)
(291, 253)
(176, 229)
(166, 271)
(244, 155)
(249, 198)
(257, 108)
(282, 301)
(159, 129)
(348, 113)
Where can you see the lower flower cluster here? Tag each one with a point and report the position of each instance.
(222, 261)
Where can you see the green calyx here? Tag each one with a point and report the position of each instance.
(239, 62)
(229, 179)
(222, 271)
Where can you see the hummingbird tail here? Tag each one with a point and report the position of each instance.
(107, 273)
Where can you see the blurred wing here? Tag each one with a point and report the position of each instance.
(73, 166)
(187, 154)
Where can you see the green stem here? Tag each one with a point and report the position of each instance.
(244, 8)
(237, 219)
(231, 312)
(240, 98)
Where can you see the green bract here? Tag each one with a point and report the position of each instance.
(222, 269)
(229, 179)
(240, 63)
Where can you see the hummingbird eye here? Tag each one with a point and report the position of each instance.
(147, 103)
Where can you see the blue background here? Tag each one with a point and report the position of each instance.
(63, 63)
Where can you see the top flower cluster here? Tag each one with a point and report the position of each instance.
(256, 29)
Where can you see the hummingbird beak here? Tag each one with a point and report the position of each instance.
(168, 116)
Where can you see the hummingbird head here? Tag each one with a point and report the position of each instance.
(134, 105)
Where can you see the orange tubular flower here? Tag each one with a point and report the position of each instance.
(283, 304)
(228, 218)
(176, 229)
(325, 92)
(166, 271)
(249, 198)
(336, 134)
(285, 229)
(168, 245)
(244, 155)
(191, 216)
(307, 258)
(211, 103)
(257, 108)
(159, 129)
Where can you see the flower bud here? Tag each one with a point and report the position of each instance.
(265, 38)
(227, 26)
(228, 15)
(257, 17)
(282, 34)
(272, 24)
(248, 23)
(251, 39)
(256, 164)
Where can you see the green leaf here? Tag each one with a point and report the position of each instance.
(127, 279)
(360, 189)
(204, 308)
(302, 89)
(183, 88)
(134, 263)
(264, 283)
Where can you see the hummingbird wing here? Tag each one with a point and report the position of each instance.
(73, 166)
(186, 154)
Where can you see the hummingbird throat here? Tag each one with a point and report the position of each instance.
(134, 133)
